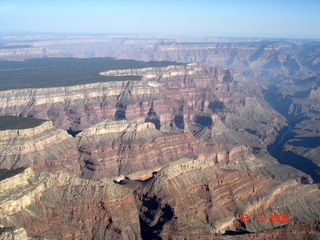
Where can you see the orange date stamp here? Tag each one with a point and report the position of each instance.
(272, 217)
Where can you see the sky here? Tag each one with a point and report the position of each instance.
(220, 18)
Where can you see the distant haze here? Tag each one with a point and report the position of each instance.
(226, 18)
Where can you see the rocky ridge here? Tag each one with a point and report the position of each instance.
(117, 149)
(44, 147)
(156, 73)
(136, 150)
(197, 205)
(60, 205)
(219, 117)
(192, 99)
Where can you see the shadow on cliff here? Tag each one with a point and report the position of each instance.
(8, 173)
(303, 164)
(153, 118)
(281, 104)
(153, 216)
(73, 133)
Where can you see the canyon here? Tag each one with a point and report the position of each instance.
(160, 150)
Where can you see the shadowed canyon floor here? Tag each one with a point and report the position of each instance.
(160, 150)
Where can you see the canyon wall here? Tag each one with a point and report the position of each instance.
(133, 128)
(185, 198)
(44, 147)
(191, 98)
(182, 152)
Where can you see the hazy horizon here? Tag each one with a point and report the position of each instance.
(247, 18)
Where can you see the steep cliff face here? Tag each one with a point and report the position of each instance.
(196, 198)
(266, 56)
(194, 135)
(185, 198)
(115, 149)
(61, 206)
(268, 60)
(73, 106)
(298, 100)
(44, 147)
(157, 73)
(129, 149)
(238, 55)
(189, 98)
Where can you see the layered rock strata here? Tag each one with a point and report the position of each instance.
(242, 54)
(191, 98)
(156, 73)
(186, 198)
(208, 199)
(165, 117)
(44, 147)
(129, 149)
(66, 207)
(117, 149)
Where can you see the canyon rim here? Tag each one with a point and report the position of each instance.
(109, 137)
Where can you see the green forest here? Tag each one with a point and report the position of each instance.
(58, 72)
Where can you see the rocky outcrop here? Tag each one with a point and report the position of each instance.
(189, 98)
(71, 106)
(157, 73)
(298, 100)
(14, 234)
(66, 207)
(266, 56)
(196, 133)
(22, 192)
(129, 149)
(296, 231)
(115, 149)
(185, 198)
(200, 199)
(18, 53)
(44, 147)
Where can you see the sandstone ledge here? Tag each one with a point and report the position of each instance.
(156, 73)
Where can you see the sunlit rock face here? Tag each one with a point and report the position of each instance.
(137, 150)
(179, 154)
(201, 199)
(134, 128)
(185, 198)
(191, 98)
(44, 148)
(61, 206)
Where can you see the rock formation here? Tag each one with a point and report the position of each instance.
(13, 233)
(44, 147)
(176, 99)
(60, 205)
(158, 120)
(179, 151)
